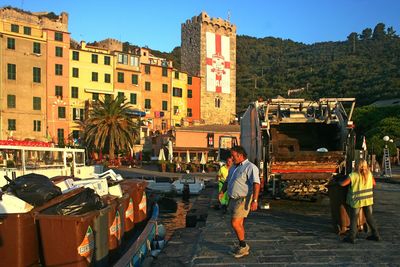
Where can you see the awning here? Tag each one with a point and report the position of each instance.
(25, 143)
(136, 113)
(97, 91)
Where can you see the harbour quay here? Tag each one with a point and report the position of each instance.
(289, 233)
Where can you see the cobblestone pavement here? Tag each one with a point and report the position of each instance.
(290, 233)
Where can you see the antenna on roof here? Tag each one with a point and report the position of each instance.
(229, 15)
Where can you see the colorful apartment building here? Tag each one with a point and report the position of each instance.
(156, 84)
(57, 82)
(48, 81)
(91, 79)
(179, 98)
(24, 63)
(126, 70)
(193, 100)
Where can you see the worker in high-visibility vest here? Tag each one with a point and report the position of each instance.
(360, 196)
(221, 178)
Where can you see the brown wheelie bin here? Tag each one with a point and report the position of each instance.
(19, 237)
(101, 225)
(71, 240)
(127, 215)
(115, 226)
(340, 210)
(67, 240)
(18, 240)
(136, 189)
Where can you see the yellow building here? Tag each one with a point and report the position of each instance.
(91, 79)
(179, 98)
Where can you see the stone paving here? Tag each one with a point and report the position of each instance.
(290, 233)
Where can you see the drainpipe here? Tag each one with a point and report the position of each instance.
(1, 89)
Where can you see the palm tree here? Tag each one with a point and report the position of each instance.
(109, 126)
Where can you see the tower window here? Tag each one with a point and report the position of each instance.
(217, 102)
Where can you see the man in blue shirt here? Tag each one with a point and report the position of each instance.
(243, 186)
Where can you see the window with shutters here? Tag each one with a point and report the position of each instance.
(59, 51)
(11, 71)
(37, 75)
(27, 30)
(75, 72)
(61, 113)
(59, 69)
(11, 43)
(75, 55)
(36, 48)
(58, 36)
(74, 92)
(12, 124)
(37, 103)
(59, 91)
(133, 99)
(135, 79)
(37, 126)
(11, 101)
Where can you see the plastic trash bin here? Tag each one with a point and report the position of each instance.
(136, 189)
(67, 240)
(101, 226)
(115, 226)
(128, 214)
(19, 237)
(340, 210)
(337, 199)
(18, 240)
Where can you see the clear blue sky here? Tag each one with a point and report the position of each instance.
(157, 23)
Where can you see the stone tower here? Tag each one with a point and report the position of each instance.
(208, 50)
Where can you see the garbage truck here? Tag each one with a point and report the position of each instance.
(299, 145)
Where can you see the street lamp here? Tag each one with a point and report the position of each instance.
(386, 157)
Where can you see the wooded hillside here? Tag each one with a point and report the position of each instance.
(365, 66)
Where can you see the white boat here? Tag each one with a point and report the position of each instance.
(160, 186)
(195, 184)
(19, 160)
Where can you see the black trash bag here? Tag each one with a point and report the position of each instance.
(36, 189)
(79, 204)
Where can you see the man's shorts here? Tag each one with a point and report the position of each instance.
(240, 207)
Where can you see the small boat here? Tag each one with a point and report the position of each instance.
(160, 185)
(188, 181)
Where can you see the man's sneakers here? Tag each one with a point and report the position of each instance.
(239, 251)
(374, 238)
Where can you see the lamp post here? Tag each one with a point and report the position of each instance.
(386, 157)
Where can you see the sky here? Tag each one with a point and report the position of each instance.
(157, 23)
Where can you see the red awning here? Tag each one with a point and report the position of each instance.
(25, 143)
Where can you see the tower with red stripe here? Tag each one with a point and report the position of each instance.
(208, 51)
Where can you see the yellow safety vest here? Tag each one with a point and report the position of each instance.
(223, 173)
(360, 194)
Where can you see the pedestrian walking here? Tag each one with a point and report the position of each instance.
(221, 179)
(243, 186)
(360, 196)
